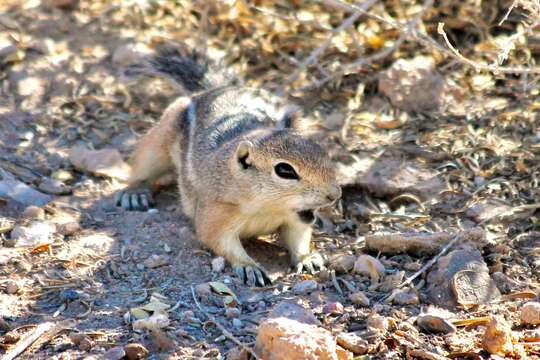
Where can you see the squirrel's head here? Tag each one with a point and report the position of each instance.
(286, 171)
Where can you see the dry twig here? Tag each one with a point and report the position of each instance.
(25, 343)
(225, 332)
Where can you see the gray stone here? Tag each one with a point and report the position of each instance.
(23, 193)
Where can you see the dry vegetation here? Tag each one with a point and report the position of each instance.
(430, 109)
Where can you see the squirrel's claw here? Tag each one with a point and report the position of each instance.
(134, 199)
(311, 263)
(252, 275)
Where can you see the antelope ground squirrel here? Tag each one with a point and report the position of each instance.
(244, 168)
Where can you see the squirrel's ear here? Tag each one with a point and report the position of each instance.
(292, 119)
(243, 153)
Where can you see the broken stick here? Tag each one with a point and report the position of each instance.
(28, 340)
(424, 243)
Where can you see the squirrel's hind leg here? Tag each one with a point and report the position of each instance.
(151, 158)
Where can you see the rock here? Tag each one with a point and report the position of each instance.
(505, 284)
(105, 162)
(406, 297)
(36, 233)
(341, 263)
(486, 210)
(368, 265)
(34, 91)
(116, 353)
(334, 121)
(7, 49)
(54, 187)
(135, 351)
(343, 354)
(34, 213)
(62, 175)
(188, 316)
(86, 344)
(98, 242)
(203, 291)
(497, 339)
(129, 54)
(435, 324)
(4, 325)
(155, 261)
(407, 78)
(232, 312)
(377, 323)
(359, 298)
(304, 287)
(62, 4)
(218, 264)
(11, 286)
(353, 342)
(23, 193)
(461, 277)
(287, 339)
(293, 311)
(391, 282)
(69, 295)
(530, 313)
(158, 320)
(333, 308)
(69, 228)
(390, 176)
(237, 323)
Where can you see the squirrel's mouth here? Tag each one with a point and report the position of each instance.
(307, 216)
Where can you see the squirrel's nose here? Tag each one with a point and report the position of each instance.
(334, 193)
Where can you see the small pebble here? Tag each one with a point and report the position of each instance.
(435, 325)
(69, 228)
(404, 297)
(116, 353)
(69, 295)
(86, 344)
(237, 323)
(140, 266)
(359, 298)
(12, 287)
(153, 211)
(188, 316)
(368, 265)
(155, 261)
(135, 351)
(54, 187)
(304, 287)
(353, 342)
(203, 290)
(218, 264)
(342, 263)
(530, 313)
(333, 308)
(377, 323)
(33, 212)
(232, 312)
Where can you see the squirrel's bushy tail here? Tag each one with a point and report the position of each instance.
(191, 69)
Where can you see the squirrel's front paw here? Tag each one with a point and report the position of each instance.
(252, 275)
(311, 263)
(134, 199)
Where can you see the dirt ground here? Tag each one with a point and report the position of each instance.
(459, 153)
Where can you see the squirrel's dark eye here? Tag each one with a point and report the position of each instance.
(286, 171)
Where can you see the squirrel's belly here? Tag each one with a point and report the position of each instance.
(262, 224)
